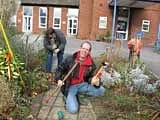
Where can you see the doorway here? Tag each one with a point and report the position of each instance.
(122, 24)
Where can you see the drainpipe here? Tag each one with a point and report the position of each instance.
(158, 37)
(114, 19)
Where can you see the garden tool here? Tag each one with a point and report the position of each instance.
(10, 50)
(65, 78)
(60, 115)
(99, 72)
(8, 61)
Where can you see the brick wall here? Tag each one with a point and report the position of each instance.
(35, 25)
(137, 16)
(84, 19)
(89, 14)
(100, 8)
(50, 17)
(19, 19)
(64, 20)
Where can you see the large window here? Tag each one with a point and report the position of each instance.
(57, 18)
(145, 25)
(27, 18)
(42, 17)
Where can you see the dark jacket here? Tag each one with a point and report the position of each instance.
(66, 65)
(60, 39)
(48, 45)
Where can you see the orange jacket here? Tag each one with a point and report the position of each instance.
(135, 45)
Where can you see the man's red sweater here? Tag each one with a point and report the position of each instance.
(79, 78)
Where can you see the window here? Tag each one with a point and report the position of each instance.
(42, 17)
(102, 22)
(145, 25)
(57, 18)
(13, 20)
(27, 19)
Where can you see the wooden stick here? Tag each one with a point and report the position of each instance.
(65, 78)
(99, 72)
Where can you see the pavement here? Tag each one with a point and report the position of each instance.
(149, 56)
(151, 59)
(41, 110)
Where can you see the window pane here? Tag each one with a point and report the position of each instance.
(56, 21)
(27, 11)
(70, 23)
(121, 25)
(43, 20)
(74, 31)
(43, 11)
(57, 12)
(145, 27)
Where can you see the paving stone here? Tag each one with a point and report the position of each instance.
(43, 112)
(48, 111)
(66, 114)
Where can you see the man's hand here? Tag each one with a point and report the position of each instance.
(56, 50)
(54, 46)
(95, 81)
(60, 83)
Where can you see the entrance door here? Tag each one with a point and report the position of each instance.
(27, 19)
(72, 25)
(122, 28)
(122, 24)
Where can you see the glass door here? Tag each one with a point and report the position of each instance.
(122, 24)
(122, 31)
(72, 25)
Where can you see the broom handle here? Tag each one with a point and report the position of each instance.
(99, 71)
(65, 78)
(71, 70)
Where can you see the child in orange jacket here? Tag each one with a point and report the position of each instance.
(134, 46)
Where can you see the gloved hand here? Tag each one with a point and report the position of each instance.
(54, 46)
(95, 81)
(60, 83)
(56, 50)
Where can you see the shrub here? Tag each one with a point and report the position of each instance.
(7, 97)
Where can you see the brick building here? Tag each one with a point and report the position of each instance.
(91, 19)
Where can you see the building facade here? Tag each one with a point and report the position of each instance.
(90, 19)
